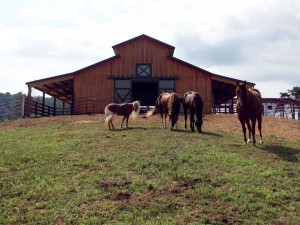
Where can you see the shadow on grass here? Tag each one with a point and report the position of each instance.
(127, 129)
(203, 133)
(285, 153)
(212, 134)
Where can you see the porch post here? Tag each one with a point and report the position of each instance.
(43, 106)
(28, 106)
(54, 105)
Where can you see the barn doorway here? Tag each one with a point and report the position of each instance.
(146, 92)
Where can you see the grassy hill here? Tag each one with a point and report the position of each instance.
(71, 170)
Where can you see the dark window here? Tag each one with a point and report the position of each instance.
(270, 107)
(143, 70)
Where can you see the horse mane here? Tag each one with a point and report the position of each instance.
(136, 112)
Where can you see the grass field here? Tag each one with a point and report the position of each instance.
(78, 172)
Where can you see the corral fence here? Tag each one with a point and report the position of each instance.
(36, 109)
(90, 105)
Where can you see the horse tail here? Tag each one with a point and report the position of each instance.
(108, 119)
(171, 105)
(109, 115)
(153, 111)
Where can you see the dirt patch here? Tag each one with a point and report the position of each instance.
(280, 128)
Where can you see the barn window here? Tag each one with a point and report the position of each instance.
(167, 86)
(144, 70)
(270, 107)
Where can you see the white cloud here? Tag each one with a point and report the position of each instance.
(253, 40)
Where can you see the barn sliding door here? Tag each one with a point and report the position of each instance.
(122, 91)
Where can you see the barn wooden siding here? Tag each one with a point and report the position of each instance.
(93, 82)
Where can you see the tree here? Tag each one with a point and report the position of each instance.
(293, 93)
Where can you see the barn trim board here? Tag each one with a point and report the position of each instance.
(142, 67)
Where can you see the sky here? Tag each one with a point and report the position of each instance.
(253, 40)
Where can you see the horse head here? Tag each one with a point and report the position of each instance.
(174, 118)
(241, 93)
(198, 123)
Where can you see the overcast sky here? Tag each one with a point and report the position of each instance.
(250, 40)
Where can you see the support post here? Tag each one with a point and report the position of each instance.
(28, 107)
(43, 106)
(54, 105)
(23, 106)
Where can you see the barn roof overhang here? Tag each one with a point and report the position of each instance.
(60, 87)
(283, 101)
(223, 88)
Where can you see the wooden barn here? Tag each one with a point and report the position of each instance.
(140, 69)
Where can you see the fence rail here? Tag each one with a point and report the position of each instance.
(90, 105)
(39, 109)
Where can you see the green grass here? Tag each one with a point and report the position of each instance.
(84, 174)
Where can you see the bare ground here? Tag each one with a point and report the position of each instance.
(281, 128)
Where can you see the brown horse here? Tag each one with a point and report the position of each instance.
(168, 104)
(249, 107)
(125, 110)
(193, 101)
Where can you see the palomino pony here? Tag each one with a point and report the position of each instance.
(168, 104)
(125, 110)
(249, 107)
(193, 101)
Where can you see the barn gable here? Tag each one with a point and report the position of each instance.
(141, 69)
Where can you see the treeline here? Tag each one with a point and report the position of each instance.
(11, 105)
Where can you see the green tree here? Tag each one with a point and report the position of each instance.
(293, 93)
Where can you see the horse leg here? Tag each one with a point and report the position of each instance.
(244, 130)
(253, 120)
(127, 117)
(249, 129)
(112, 125)
(123, 121)
(259, 121)
(108, 125)
(185, 115)
(170, 123)
(192, 122)
(162, 120)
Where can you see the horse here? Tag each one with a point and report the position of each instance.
(168, 104)
(193, 101)
(249, 107)
(125, 110)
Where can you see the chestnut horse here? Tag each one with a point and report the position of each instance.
(193, 101)
(168, 104)
(125, 110)
(249, 107)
